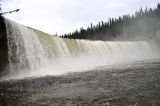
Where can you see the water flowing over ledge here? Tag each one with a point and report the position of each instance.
(34, 53)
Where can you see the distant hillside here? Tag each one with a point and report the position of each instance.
(145, 24)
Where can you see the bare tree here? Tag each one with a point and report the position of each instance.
(0, 8)
(3, 13)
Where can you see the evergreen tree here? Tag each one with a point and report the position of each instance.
(158, 6)
(143, 22)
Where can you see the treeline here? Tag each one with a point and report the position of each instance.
(142, 25)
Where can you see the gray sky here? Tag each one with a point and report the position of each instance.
(63, 16)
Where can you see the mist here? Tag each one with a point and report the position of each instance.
(141, 26)
(35, 53)
(119, 41)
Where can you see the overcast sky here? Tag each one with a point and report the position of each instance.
(63, 16)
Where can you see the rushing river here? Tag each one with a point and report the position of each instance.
(45, 70)
(35, 53)
(135, 84)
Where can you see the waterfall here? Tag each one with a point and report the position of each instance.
(24, 49)
(32, 52)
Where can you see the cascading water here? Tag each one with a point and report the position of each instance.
(24, 49)
(32, 52)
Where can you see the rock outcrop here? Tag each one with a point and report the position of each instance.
(3, 46)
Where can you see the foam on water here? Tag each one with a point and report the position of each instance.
(34, 53)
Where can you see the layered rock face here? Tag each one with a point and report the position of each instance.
(3, 46)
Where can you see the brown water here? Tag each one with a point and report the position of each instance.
(35, 53)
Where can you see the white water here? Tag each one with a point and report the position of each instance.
(33, 53)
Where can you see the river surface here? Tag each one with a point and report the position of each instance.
(135, 84)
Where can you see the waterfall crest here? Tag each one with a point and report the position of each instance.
(36, 53)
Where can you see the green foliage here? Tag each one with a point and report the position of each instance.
(143, 22)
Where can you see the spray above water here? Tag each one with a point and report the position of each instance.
(34, 53)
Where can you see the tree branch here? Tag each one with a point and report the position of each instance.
(9, 12)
